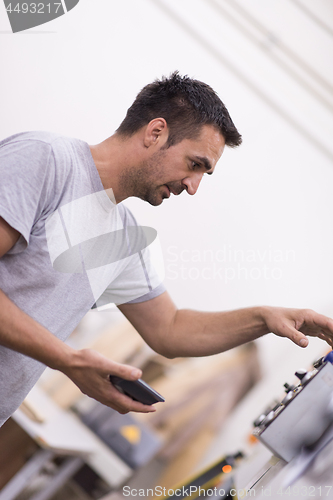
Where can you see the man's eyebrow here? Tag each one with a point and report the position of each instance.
(205, 162)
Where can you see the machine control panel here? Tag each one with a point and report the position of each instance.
(302, 418)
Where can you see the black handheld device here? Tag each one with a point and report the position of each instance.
(137, 390)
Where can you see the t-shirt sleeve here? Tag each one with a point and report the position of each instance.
(23, 172)
(141, 279)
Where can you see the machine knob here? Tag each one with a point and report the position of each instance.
(288, 398)
(308, 377)
(269, 418)
(288, 387)
(319, 362)
(259, 420)
(301, 373)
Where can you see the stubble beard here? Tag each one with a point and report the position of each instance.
(140, 181)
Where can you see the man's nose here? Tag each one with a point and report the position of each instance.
(191, 184)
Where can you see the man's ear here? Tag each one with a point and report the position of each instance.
(156, 133)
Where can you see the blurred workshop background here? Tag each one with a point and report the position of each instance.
(257, 232)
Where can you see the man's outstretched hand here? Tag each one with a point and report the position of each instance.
(296, 324)
(90, 371)
(175, 332)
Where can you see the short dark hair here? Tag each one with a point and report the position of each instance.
(185, 104)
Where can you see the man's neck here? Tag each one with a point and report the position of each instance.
(111, 157)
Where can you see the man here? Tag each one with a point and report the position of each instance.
(53, 199)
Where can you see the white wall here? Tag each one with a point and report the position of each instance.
(270, 199)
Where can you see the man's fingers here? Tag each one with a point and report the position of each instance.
(125, 371)
(300, 339)
(298, 324)
(326, 338)
(325, 323)
(126, 403)
(313, 324)
(94, 360)
(321, 327)
(297, 337)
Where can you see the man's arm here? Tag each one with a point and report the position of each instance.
(8, 237)
(173, 332)
(88, 369)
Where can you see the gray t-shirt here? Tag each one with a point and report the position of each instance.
(51, 192)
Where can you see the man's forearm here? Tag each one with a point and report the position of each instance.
(196, 333)
(21, 333)
(176, 332)
(88, 369)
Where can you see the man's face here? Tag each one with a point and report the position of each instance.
(178, 168)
